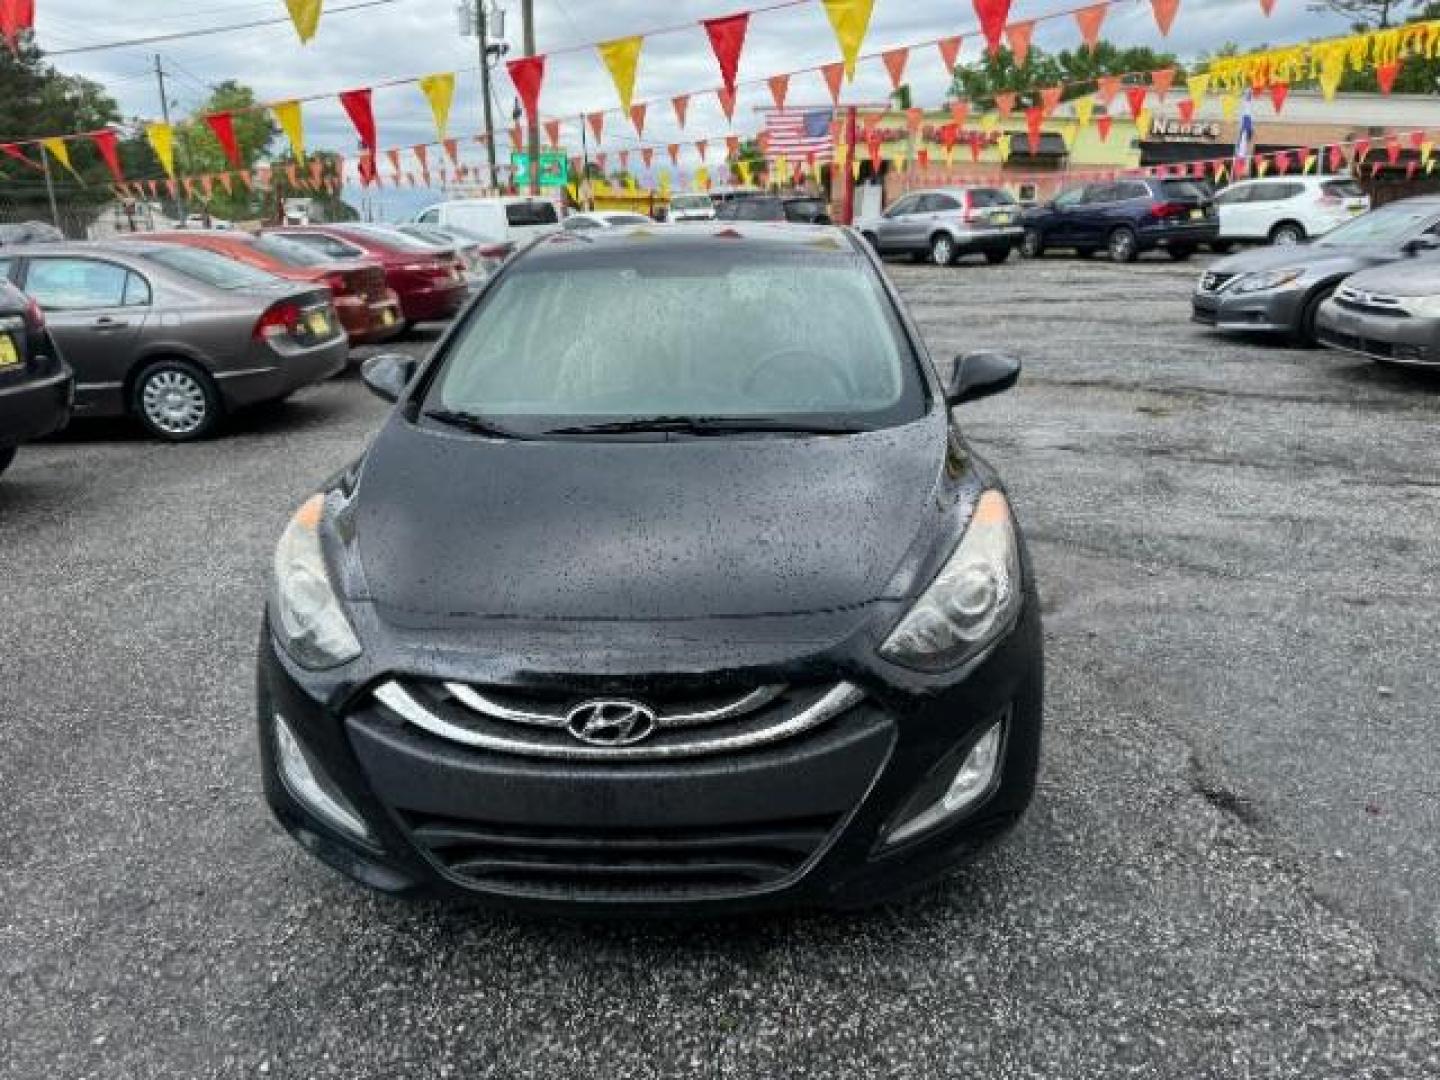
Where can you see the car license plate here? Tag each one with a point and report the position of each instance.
(9, 354)
(1197, 215)
(1003, 219)
(319, 323)
(387, 317)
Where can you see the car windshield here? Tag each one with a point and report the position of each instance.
(519, 215)
(1389, 226)
(394, 238)
(214, 270)
(692, 202)
(289, 252)
(735, 336)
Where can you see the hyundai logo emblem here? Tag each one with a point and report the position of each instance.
(611, 723)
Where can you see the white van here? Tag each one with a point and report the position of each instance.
(511, 219)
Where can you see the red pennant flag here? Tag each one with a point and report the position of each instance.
(1103, 124)
(1362, 150)
(517, 138)
(1090, 20)
(452, 151)
(1392, 149)
(105, 142)
(974, 142)
(527, 74)
(727, 38)
(422, 155)
(922, 156)
(702, 146)
(949, 52)
(895, 61)
(1107, 86)
(1019, 35)
(600, 160)
(1337, 158)
(992, 15)
(726, 97)
(1267, 6)
(368, 175)
(681, 105)
(1050, 98)
(833, 74)
(15, 16)
(394, 156)
(779, 89)
(1135, 97)
(1161, 81)
(1278, 93)
(1034, 117)
(647, 155)
(1005, 103)
(357, 107)
(1385, 74)
(223, 125)
(1410, 170)
(914, 118)
(172, 187)
(874, 145)
(597, 125)
(1165, 14)
(1187, 110)
(1417, 139)
(960, 112)
(732, 146)
(674, 151)
(552, 132)
(247, 180)
(949, 134)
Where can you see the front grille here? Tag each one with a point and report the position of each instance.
(618, 863)
(553, 724)
(1213, 281)
(1370, 303)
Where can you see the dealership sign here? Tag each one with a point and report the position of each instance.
(1179, 129)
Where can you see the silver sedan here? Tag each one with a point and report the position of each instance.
(175, 336)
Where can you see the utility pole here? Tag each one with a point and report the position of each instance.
(527, 17)
(165, 114)
(482, 31)
(848, 179)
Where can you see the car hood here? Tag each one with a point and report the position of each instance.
(456, 526)
(1316, 258)
(1409, 277)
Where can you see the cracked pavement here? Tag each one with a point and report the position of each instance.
(1230, 869)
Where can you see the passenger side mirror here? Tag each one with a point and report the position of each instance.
(979, 375)
(387, 375)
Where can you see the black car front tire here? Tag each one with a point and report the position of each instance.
(7, 455)
(1032, 245)
(1124, 245)
(1304, 332)
(1287, 234)
(176, 401)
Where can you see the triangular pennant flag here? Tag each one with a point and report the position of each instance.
(527, 75)
(1161, 81)
(727, 102)
(732, 146)
(1392, 149)
(674, 151)
(1337, 158)
(1135, 98)
(1198, 86)
(1103, 124)
(596, 120)
(702, 147)
(439, 91)
(288, 115)
(223, 126)
(1090, 20)
(1385, 75)
(727, 38)
(681, 105)
(960, 112)
(1084, 110)
(833, 74)
(1229, 106)
(1107, 86)
(622, 58)
(1268, 7)
(637, 117)
(950, 52)
(895, 61)
(552, 133)
(394, 156)
(624, 160)
(1309, 165)
(992, 15)
(1034, 117)
(227, 181)
(1332, 70)
(1005, 103)
(1165, 14)
(914, 119)
(517, 138)
(452, 150)
(1361, 151)
(647, 155)
(1279, 91)
(850, 20)
(1018, 36)
(358, 107)
(1186, 109)
(305, 14)
(162, 140)
(779, 89)
(61, 153)
(106, 143)
(1142, 123)
(1050, 98)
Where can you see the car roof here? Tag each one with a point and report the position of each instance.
(698, 238)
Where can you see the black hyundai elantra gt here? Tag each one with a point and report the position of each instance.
(668, 585)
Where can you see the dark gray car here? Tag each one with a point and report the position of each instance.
(1390, 314)
(1281, 290)
(176, 336)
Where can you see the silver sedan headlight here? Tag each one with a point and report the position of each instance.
(1269, 279)
(972, 601)
(1422, 307)
(308, 618)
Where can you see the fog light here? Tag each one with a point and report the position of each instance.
(307, 782)
(973, 782)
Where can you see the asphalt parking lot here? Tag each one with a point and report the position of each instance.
(1232, 868)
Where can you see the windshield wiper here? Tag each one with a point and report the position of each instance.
(472, 422)
(708, 425)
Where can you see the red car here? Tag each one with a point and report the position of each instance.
(429, 280)
(368, 308)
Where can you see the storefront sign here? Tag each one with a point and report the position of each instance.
(1178, 129)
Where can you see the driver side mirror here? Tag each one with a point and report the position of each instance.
(980, 375)
(1421, 244)
(387, 375)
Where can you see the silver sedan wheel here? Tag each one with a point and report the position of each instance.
(174, 402)
(942, 251)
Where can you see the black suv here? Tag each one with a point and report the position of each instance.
(36, 386)
(795, 211)
(1126, 218)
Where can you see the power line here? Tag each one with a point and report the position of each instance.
(179, 34)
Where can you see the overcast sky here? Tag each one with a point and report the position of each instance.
(413, 37)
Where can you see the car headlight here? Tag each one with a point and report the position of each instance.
(1270, 279)
(308, 618)
(1423, 307)
(971, 602)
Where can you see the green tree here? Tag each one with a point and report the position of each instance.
(1368, 14)
(328, 207)
(198, 151)
(1418, 74)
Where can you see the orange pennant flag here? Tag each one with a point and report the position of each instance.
(682, 108)
(949, 52)
(833, 74)
(637, 117)
(552, 132)
(1005, 103)
(1018, 36)
(597, 125)
(1090, 20)
(895, 61)
(960, 112)
(1165, 14)
(727, 102)
(1162, 80)
(779, 88)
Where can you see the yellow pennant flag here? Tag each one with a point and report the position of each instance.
(1199, 86)
(439, 91)
(1084, 110)
(851, 21)
(855, 169)
(602, 187)
(622, 58)
(288, 115)
(1229, 104)
(743, 169)
(1070, 132)
(630, 185)
(573, 192)
(989, 122)
(1142, 123)
(305, 14)
(1332, 70)
(782, 167)
(1003, 145)
(1426, 149)
(1310, 162)
(162, 141)
(61, 153)
(702, 178)
(1264, 166)
(665, 181)
(1220, 173)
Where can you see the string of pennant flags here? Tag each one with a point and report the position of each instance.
(1271, 71)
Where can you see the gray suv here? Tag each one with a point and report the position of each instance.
(946, 223)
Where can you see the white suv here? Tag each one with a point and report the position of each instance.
(1286, 209)
(511, 219)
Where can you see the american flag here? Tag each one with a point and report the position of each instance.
(794, 133)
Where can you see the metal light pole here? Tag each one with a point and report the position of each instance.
(50, 187)
(527, 18)
(165, 114)
(482, 29)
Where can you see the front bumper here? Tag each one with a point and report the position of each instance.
(31, 408)
(1273, 312)
(1392, 338)
(797, 822)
